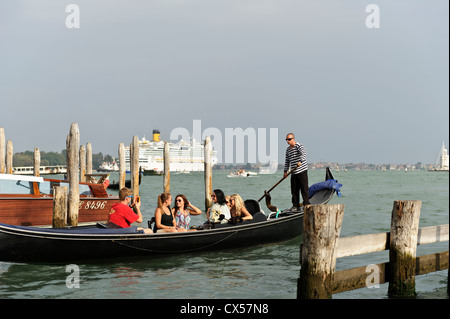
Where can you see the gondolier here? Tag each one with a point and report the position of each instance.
(295, 154)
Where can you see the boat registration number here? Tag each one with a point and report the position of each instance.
(94, 204)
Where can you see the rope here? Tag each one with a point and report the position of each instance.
(175, 251)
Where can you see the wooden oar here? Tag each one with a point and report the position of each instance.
(284, 177)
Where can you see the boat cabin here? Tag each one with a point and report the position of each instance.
(28, 200)
(19, 185)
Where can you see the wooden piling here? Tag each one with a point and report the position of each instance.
(89, 159)
(59, 206)
(131, 163)
(122, 170)
(2, 151)
(208, 172)
(166, 183)
(73, 162)
(321, 229)
(9, 157)
(82, 164)
(402, 249)
(36, 162)
(135, 167)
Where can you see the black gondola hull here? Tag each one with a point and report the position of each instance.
(30, 244)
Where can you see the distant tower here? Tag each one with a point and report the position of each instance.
(443, 158)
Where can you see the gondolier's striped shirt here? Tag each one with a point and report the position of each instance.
(295, 155)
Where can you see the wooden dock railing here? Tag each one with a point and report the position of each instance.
(322, 246)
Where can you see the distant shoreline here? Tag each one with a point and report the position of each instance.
(336, 166)
(54, 158)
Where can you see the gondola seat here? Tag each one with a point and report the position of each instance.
(259, 217)
(252, 206)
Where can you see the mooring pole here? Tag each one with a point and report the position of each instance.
(122, 170)
(403, 246)
(9, 157)
(36, 162)
(166, 183)
(135, 167)
(321, 229)
(2, 151)
(73, 164)
(82, 163)
(59, 206)
(89, 161)
(208, 172)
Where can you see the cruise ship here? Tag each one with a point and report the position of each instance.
(184, 156)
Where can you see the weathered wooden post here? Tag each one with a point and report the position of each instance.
(208, 172)
(2, 151)
(9, 157)
(82, 163)
(59, 206)
(135, 167)
(36, 162)
(166, 183)
(122, 170)
(89, 160)
(321, 229)
(73, 163)
(402, 249)
(131, 163)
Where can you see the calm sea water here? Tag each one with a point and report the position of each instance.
(269, 271)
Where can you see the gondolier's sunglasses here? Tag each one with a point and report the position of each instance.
(288, 139)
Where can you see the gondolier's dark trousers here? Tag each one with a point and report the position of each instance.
(299, 182)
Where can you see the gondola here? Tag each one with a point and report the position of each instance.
(34, 244)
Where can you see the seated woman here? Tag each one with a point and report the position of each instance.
(238, 210)
(165, 223)
(218, 208)
(183, 210)
(227, 200)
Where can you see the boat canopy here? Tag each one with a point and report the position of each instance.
(328, 184)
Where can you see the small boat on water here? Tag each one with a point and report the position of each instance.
(152, 172)
(34, 244)
(108, 167)
(115, 185)
(28, 200)
(242, 173)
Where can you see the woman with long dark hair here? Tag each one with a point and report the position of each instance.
(183, 210)
(218, 208)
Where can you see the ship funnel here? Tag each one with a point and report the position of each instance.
(156, 134)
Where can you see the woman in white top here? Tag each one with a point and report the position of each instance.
(218, 208)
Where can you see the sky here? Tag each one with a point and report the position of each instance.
(351, 90)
